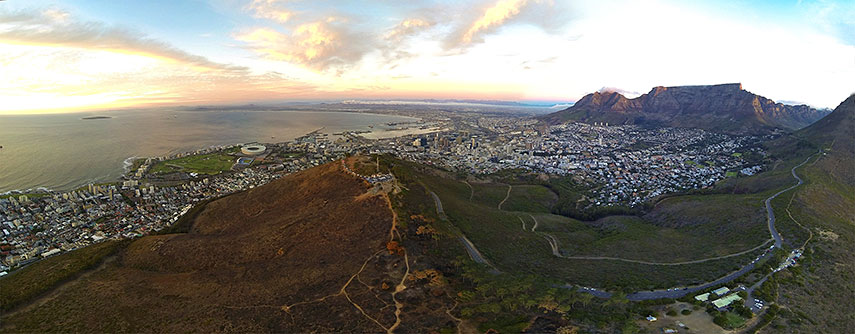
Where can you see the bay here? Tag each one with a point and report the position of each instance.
(64, 151)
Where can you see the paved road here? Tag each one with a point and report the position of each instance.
(473, 252)
(668, 293)
(468, 245)
(677, 293)
(771, 214)
(439, 210)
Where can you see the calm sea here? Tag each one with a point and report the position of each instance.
(64, 151)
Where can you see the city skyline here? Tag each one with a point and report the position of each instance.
(89, 55)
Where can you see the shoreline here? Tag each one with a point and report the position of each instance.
(128, 162)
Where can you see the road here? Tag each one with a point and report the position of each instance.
(474, 254)
(677, 293)
(667, 293)
(771, 214)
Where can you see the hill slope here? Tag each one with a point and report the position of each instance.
(725, 107)
(817, 297)
(305, 253)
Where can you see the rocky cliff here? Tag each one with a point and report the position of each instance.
(726, 107)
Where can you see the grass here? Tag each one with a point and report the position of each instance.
(730, 174)
(35, 279)
(530, 198)
(30, 195)
(730, 320)
(210, 164)
(499, 236)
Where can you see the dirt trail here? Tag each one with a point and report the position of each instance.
(506, 196)
(471, 190)
(400, 287)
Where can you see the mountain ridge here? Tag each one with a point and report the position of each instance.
(724, 107)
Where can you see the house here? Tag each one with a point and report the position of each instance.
(724, 302)
(703, 297)
(721, 291)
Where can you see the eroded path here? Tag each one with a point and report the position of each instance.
(506, 196)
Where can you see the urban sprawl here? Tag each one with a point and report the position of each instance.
(621, 165)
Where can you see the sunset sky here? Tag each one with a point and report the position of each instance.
(77, 55)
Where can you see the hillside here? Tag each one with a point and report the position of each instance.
(817, 297)
(311, 252)
(725, 107)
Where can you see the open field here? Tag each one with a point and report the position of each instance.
(212, 163)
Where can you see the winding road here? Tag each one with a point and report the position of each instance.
(771, 214)
(654, 294)
(677, 293)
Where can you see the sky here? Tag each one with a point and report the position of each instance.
(74, 55)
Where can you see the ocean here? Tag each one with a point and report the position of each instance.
(65, 151)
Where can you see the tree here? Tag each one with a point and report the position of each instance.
(586, 299)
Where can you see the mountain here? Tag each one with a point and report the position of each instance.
(315, 251)
(818, 296)
(838, 126)
(726, 107)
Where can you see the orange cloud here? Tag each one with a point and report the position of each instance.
(57, 29)
(318, 45)
(493, 17)
(270, 9)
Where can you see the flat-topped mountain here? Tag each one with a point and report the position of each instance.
(726, 107)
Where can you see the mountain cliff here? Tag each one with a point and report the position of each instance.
(726, 107)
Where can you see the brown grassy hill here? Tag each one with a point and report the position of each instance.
(306, 253)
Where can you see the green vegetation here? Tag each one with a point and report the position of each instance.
(506, 302)
(499, 236)
(35, 279)
(730, 174)
(530, 198)
(212, 163)
(729, 320)
(30, 195)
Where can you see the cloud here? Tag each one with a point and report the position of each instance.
(270, 9)
(319, 45)
(493, 18)
(545, 14)
(68, 79)
(58, 29)
(395, 40)
(407, 28)
(623, 92)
